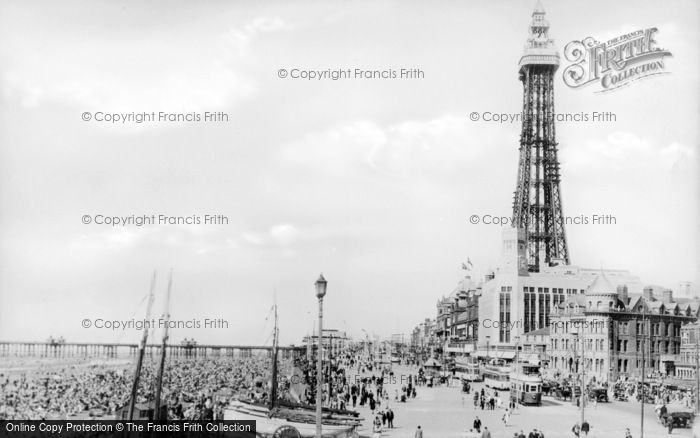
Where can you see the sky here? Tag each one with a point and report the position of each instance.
(370, 181)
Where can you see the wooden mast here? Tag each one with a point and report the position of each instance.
(142, 348)
(163, 348)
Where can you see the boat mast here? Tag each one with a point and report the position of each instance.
(275, 342)
(159, 382)
(142, 348)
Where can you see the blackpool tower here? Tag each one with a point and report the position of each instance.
(537, 209)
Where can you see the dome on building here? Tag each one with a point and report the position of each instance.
(601, 294)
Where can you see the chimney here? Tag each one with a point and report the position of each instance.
(622, 294)
(667, 296)
(648, 293)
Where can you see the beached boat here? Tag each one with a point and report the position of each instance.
(298, 418)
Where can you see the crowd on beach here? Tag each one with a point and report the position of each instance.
(192, 389)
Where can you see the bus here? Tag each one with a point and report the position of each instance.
(467, 369)
(497, 375)
(526, 384)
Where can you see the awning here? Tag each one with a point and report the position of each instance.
(467, 348)
(432, 363)
(495, 354)
(533, 359)
(503, 354)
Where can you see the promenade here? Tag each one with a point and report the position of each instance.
(446, 412)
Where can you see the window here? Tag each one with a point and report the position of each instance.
(529, 309)
(541, 320)
(504, 314)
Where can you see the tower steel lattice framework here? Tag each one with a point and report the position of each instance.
(537, 204)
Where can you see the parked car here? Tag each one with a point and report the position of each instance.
(598, 394)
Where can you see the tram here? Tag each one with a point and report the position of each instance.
(467, 369)
(497, 375)
(526, 384)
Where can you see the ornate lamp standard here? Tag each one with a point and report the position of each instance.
(320, 284)
(578, 333)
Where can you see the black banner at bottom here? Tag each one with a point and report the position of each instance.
(124, 429)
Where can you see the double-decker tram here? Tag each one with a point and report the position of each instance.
(526, 384)
(467, 369)
(497, 375)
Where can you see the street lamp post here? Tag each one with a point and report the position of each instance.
(330, 368)
(643, 345)
(578, 332)
(488, 346)
(320, 284)
(583, 375)
(697, 370)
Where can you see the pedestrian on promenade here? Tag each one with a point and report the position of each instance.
(506, 417)
(419, 433)
(477, 424)
(628, 434)
(576, 430)
(377, 427)
(486, 433)
(585, 428)
(390, 418)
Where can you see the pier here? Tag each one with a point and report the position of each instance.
(182, 350)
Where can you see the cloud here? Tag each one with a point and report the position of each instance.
(242, 37)
(277, 235)
(626, 152)
(199, 238)
(159, 71)
(441, 144)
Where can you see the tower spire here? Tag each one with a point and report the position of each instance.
(539, 47)
(539, 9)
(537, 207)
